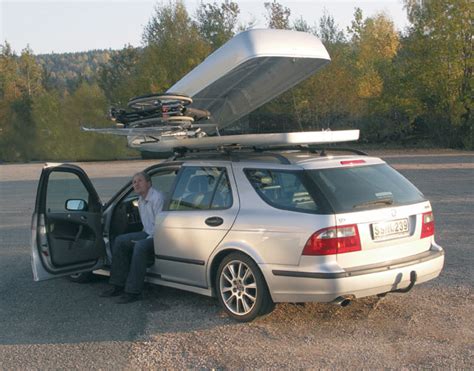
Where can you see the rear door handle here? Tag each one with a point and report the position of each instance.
(214, 221)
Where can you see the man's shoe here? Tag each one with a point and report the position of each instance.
(128, 298)
(114, 291)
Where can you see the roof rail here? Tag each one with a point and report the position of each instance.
(236, 153)
(233, 155)
(313, 149)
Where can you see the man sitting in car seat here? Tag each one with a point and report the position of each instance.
(131, 252)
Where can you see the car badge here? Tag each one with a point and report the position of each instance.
(394, 213)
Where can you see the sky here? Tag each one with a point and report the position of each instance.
(72, 26)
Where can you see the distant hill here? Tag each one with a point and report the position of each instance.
(63, 71)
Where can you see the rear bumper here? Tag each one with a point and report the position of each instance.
(298, 286)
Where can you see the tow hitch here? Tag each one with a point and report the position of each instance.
(402, 291)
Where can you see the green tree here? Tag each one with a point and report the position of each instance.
(440, 46)
(117, 77)
(328, 31)
(217, 22)
(53, 139)
(173, 46)
(87, 106)
(329, 98)
(278, 16)
(20, 82)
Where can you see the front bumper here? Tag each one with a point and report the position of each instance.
(297, 286)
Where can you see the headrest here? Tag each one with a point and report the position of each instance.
(198, 183)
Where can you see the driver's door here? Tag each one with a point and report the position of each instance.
(66, 224)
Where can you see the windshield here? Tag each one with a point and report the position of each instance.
(364, 187)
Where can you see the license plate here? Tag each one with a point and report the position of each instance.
(391, 229)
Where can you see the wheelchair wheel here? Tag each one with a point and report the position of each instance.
(154, 101)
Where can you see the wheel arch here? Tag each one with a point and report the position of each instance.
(224, 251)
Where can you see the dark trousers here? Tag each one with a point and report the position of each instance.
(131, 253)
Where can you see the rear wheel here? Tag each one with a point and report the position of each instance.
(241, 288)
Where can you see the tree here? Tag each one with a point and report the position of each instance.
(328, 31)
(329, 98)
(217, 23)
(278, 16)
(440, 47)
(117, 76)
(30, 73)
(173, 46)
(20, 83)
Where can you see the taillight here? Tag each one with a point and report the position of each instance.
(427, 225)
(333, 240)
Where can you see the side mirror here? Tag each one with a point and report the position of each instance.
(76, 205)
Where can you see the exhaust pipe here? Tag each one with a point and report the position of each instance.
(341, 301)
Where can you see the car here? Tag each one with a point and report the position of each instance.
(252, 226)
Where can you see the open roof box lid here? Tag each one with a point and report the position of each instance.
(250, 70)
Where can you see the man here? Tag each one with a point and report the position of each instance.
(132, 251)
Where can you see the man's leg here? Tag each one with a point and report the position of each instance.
(140, 258)
(121, 256)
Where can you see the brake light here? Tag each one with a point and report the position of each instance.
(427, 225)
(352, 162)
(333, 240)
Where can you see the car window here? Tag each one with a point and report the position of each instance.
(201, 188)
(163, 181)
(364, 187)
(63, 186)
(223, 196)
(284, 189)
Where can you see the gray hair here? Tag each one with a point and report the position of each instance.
(144, 175)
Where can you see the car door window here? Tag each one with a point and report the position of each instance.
(163, 180)
(63, 186)
(223, 195)
(198, 187)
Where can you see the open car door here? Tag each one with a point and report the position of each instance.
(66, 225)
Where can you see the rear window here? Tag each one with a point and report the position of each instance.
(365, 187)
(288, 190)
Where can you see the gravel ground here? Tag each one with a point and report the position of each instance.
(60, 325)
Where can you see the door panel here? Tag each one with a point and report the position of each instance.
(72, 237)
(183, 239)
(66, 241)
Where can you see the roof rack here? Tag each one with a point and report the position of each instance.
(235, 153)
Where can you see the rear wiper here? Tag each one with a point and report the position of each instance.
(379, 201)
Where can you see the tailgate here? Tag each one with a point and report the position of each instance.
(386, 234)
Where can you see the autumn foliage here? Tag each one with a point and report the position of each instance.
(412, 87)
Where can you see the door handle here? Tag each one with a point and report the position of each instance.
(214, 221)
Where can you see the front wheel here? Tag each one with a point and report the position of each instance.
(241, 288)
(83, 277)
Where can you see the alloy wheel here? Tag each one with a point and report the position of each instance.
(238, 287)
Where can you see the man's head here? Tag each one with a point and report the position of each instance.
(141, 183)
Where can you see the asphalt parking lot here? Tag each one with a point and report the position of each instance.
(60, 324)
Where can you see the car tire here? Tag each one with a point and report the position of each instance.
(241, 288)
(83, 277)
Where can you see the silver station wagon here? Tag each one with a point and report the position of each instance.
(252, 228)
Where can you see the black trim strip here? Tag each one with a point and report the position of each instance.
(155, 275)
(180, 260)
(373, 268)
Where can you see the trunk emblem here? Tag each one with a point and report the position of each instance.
(394, 212)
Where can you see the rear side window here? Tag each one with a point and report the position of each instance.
(365, 187)
(288, 190)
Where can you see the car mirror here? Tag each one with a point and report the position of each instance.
(76, 205)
